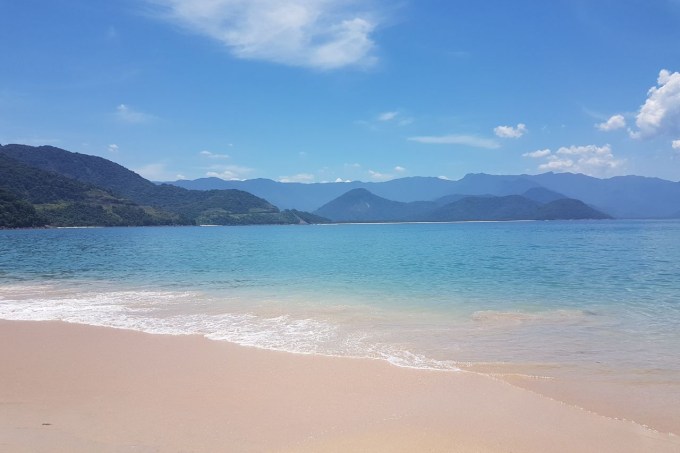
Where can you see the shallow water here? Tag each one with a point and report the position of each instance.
(591, 298)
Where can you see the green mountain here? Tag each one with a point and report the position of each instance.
(17, 213)
(514, 207)
(360, 205)
(217, 207)
(59, 201)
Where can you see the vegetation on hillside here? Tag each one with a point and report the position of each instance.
(72, 189)
(59, 201)
(16, 213)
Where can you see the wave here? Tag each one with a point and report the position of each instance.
(188, 313)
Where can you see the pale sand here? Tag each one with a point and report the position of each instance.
(70, 388)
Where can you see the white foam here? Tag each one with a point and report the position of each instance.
(170, 313)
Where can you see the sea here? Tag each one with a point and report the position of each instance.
(594, 301)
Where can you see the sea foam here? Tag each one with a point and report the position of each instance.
(170, 313)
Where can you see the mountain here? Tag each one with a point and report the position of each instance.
(309, 197)
(569, 208)
(60, 201)
(306, 197)
(223, 207)
(622, 197)
(511, 207)
(360, 205)
(17, 213)
(514, 207)
(543, 195)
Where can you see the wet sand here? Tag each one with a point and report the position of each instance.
(74, 388)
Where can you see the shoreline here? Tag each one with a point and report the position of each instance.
(71, 387)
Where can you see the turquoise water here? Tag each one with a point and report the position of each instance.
(573, 294)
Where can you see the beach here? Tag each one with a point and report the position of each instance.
(75, 388)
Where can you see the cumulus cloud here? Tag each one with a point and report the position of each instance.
(112, 148)
(127, 114)
(510, 132)
(538, 154)
(300, 177)
(466, 140)
(660, 114)
(676, 144)
(320, 34)
(399, 169)
(229, 172)
(589, 159)
(612, 124)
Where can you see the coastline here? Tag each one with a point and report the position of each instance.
(68, 387)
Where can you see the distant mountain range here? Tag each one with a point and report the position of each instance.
(360, 205)
(632, 197)
(51, 186)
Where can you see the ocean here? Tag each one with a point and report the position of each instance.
(593, 300)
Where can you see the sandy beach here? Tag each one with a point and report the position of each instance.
(75, 388)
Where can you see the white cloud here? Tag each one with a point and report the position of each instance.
(211, 155)
(466, 140)
(377, 176)
(538, 154)
(154, 172)
(127, 114)
(112, 148)
(229, 172)
(320, 34)
(612, 124)
(660, 114)
(342, 180)
(300, 177)
(510, 132)
(676, 144)
(589, 159)
(393, 117)
(387, 116)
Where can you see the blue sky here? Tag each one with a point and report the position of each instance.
(326, 90)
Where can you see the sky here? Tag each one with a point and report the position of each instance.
(338, 90)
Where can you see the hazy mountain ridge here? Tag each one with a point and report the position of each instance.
(621, 196)
(90, 190)
(360, 205)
